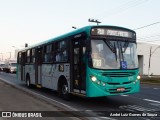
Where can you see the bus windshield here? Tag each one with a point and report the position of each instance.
(110, 54)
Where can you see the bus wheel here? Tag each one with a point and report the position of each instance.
(64, 90)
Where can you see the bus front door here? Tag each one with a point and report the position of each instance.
(38, 67)
(78, 67)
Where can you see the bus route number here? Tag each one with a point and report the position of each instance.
(97, 62)
(100, 31)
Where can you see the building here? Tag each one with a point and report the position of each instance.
(148, 58)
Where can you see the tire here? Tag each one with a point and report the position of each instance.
(64, 90)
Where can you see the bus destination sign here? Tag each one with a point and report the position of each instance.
(112, 32)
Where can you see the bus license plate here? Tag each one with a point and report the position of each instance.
(120, 89)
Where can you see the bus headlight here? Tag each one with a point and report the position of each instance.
(93, 78)
(138, 77)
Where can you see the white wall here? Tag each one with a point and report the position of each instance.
(144, 49)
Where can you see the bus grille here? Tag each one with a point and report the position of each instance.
(118, 74)
(112, 83)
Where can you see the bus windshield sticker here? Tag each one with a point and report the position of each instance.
(97, 62)
(123, 64)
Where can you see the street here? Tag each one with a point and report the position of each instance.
(147, 101)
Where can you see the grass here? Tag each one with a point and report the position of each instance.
(150, 80)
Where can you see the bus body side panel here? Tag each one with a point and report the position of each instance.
(52, 72)
(30, 69)
(39, 74)
(47, 73)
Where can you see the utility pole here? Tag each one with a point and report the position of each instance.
(149, 66)
(150, 56)
(93, 20)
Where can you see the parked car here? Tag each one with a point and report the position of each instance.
(2, 67)
(10, 66)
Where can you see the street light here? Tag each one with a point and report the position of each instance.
(74, 27)
(93, 20)
(150, 55)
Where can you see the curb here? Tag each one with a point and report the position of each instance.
(150, 83)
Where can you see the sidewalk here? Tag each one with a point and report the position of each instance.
(12, 99)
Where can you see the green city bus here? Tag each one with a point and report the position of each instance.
(92, 61)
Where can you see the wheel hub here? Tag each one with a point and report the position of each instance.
(64, 89)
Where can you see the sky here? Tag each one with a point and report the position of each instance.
(33, 21)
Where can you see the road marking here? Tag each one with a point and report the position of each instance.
(101, 118)
(156, 88)
(135, 108)
(124, 95)
(151, 100)
(155, 104)
(107, 118)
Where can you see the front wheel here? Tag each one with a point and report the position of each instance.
(64, 91)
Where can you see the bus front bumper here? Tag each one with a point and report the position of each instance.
(97, 90)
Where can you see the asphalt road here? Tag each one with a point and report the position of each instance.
(147, 102)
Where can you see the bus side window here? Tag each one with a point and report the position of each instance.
(45, 54)
(48, 53)
(28, 56)
(33, 55)
(61, 51)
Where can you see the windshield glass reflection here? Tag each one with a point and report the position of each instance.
(107, 54)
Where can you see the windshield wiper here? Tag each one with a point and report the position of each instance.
(125, 46)
(111, 47)
(121, 51)
(115, 51)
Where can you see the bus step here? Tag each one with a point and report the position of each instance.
(39, 86)
(78, 94)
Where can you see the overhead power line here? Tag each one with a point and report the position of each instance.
(150, 38)
(126, 6)
(147, 25)
(121, 8)
(147, 40)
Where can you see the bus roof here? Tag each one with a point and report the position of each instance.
(77, 31)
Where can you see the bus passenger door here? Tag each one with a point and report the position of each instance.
(38, 67)
(23, 65)
(78, 66)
